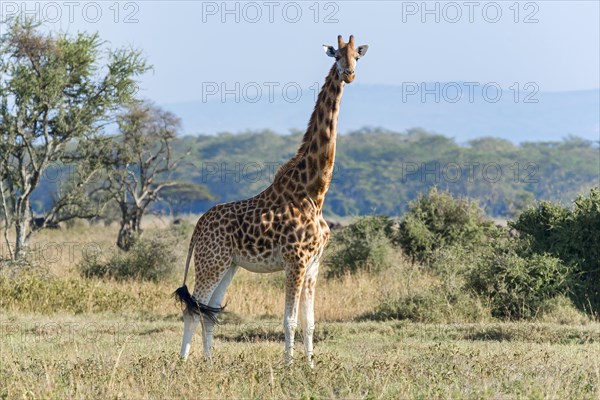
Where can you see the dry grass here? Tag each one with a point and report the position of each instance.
(341, 299)
(251, 295)
(107, 356)
(59, 251)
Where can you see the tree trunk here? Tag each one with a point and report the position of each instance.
(22, 226)
(126, 235)
(131, 227)
(7, 221)
(137, 226)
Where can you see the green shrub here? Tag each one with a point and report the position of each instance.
(546, 226)
(516, 282)
(150, 259)
(438, 220)
(452, 262)
(572, 236)
(363, 245)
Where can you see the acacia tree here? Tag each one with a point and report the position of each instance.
(139, 165)
(57, 93)
(182, 194)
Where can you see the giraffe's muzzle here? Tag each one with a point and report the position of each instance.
(348, 77)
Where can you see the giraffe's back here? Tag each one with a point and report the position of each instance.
(263, 232)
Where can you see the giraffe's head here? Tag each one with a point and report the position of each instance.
(346, 57)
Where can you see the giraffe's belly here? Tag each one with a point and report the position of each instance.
(260, 265)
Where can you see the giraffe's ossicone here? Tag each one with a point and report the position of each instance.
(281, 228)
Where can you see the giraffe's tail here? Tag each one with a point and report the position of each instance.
(183, 295)
(193, 306)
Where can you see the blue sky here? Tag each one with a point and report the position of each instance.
(552, 43)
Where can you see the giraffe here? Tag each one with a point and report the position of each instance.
(281, 228)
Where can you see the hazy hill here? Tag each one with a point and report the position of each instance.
(555, 115)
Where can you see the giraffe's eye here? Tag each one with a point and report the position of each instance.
(357, 58)
(337, 58)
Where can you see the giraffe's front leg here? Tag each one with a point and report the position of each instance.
(307, 310)
(293, 287)
(216, 299)
(208, 327)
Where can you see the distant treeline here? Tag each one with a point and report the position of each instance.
(378, 171)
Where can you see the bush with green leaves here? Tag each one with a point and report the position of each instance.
(573, 236)
(152, 259)
(363, 245)
(437, 220)
(516, 281)
(450, 265)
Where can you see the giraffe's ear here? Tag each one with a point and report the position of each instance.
(362, 50)
(329, 50)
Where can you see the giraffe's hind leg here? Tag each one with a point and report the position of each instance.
(211, 275)
(190, 323)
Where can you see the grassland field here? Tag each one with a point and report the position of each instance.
(62, 336)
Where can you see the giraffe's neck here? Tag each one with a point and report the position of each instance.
(310, 171)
